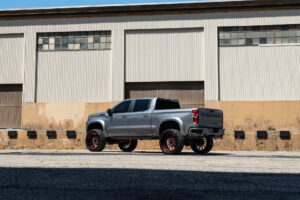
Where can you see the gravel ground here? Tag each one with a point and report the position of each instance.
(148, 175)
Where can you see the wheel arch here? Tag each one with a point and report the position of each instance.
(96, 125)
(173, 123)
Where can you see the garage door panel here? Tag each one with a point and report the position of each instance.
(10, 116)
(192, 105)
(10, 106)
(10, 95)
(189, 94)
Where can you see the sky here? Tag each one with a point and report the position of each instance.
(18, 4)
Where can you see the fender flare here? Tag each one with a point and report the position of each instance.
(172, 119)
(98, 122)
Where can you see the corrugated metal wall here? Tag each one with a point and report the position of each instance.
(11, 58)
(164, 55)
(209, 21)
(260, 73)
(74, 76)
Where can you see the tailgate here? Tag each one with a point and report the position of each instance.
(210, 118)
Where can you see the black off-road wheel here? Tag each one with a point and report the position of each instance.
(95, 140)
(202, 145)
(171, 141)
(128, 145)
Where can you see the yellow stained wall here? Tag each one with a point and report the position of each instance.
(59, 116)
(259, 115)
(238, 115)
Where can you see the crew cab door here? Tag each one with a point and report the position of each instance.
(139, 119)
(118, 123)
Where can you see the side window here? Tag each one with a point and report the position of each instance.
(162, 104)
(141, 105)
(122, 107)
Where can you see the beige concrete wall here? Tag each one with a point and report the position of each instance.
(238, 115)
(259, 115)
(59, 116)
(228, 143)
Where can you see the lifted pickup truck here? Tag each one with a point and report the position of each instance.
(154, 118)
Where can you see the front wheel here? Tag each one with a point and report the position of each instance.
(95, 140)
(202, 145)
(171, 141)
(128, 145)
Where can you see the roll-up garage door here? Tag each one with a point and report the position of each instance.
(189, 94)
(10, 105)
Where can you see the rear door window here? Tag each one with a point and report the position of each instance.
(122, 107)
(141, 105)
(162, 104)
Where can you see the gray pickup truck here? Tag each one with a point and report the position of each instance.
(154, 118)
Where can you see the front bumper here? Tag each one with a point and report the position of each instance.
(206, 132)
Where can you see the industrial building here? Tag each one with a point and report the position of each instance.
(58, 65)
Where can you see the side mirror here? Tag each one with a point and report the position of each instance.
(109, 112)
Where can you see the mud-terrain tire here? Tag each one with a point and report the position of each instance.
(203, 145)
(171, 141)
(128, 145)
(95, 140)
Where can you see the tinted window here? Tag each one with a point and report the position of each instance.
(141, 105)
(162, 104)
(122, 107)
(74, 41)
(255, 35)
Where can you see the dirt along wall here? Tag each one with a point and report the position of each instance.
(250, 142)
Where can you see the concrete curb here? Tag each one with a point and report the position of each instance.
(73, 139)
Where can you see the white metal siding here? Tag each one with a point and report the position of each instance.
(164, 55)
(11, 58)
(209, 21)
(74, 76)
(260, 73)
(117, 68)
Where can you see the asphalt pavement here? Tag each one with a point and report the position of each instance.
(148, 175)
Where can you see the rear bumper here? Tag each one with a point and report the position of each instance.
(206, 132)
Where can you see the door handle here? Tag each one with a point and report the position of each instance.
(145, 115)
(124, 116)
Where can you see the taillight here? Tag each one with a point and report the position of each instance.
(196, 116)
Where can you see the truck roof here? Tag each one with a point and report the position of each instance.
(153, 98)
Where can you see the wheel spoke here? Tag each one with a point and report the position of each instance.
(202, 143)
(92, 140)
(169, 142)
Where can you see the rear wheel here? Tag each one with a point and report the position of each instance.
(95, 140)
(128, 145)
(171, 141)
(202, 145)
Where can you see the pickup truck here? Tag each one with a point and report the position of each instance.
(154, 118)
